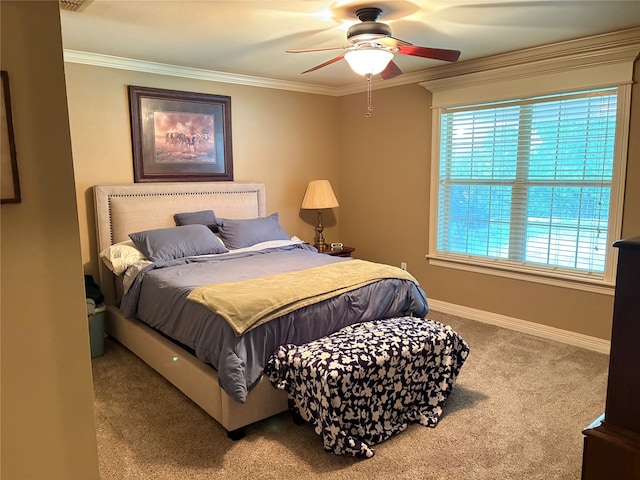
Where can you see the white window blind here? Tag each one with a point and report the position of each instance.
(528, 182)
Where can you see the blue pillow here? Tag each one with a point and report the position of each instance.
(244, 233)
(177, 242)
(203, 217)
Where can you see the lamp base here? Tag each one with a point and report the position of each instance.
(322, 246)
(320, 243)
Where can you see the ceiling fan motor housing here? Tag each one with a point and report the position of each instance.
(369, 29)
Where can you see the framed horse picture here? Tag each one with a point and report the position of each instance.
(180, 136)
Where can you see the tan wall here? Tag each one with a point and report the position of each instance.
(384, 175)
(385, 178)
(281, 138)
(631, 218)
(47, 418)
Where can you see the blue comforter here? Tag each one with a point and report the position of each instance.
(158, 297)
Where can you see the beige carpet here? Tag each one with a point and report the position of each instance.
(516, 412)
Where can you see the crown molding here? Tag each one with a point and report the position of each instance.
(605, 49)
(122, 63)
(625, 43)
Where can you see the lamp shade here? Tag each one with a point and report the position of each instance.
(366, 61)
(319, 195)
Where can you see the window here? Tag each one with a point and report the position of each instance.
(527, 184)
(528, 159)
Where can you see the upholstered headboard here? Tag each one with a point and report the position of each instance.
(124, 209)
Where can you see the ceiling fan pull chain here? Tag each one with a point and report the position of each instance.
(369, 103)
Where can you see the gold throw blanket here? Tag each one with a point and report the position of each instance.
(249, 303)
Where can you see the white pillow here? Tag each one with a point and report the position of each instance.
(120, 256)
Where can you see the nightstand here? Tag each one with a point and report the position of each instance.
(338, 252)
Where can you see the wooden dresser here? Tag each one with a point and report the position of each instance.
(612, 442)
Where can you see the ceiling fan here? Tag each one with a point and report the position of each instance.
(371, 47)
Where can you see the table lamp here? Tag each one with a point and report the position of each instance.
(319, 195)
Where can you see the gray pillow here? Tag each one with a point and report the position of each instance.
(177, 242)
(244, 233)
(203, 217)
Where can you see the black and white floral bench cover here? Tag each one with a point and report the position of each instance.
(365, 382)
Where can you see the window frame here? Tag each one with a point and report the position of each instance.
(596, 282)
(600, 283)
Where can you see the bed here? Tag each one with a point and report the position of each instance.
(234, 398)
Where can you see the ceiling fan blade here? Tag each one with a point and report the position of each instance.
(426, 52)
(305, 50)
(392, 41)
(392, 70)
(317, 67)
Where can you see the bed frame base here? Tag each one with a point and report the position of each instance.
(189, 374)
(237, 434)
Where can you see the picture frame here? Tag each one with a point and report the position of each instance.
(180, 136)
(9, 180)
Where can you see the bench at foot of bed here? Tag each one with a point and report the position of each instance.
(365, 382)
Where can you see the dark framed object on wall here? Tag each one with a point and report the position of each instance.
(10, 182)
(180, 136)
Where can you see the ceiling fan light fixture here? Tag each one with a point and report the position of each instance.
(368, 61)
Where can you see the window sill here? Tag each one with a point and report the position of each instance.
(585, 284)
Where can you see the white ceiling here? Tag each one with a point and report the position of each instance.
(250, 37)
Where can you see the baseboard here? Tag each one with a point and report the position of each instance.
(531, 328)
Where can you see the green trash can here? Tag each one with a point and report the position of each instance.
(96, 328)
